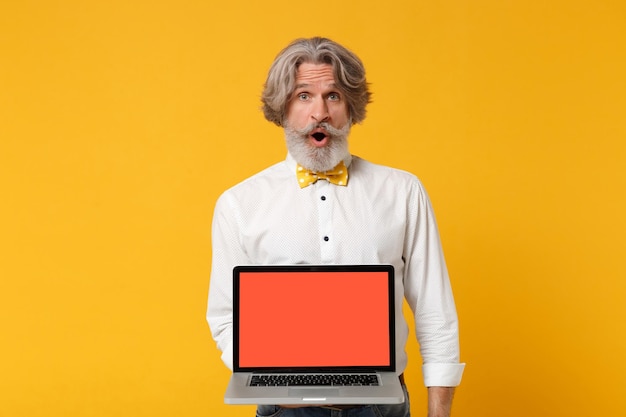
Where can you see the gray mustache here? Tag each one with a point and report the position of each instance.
(326, 126)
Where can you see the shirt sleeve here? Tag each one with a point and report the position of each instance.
(429, 294)
(226, 253)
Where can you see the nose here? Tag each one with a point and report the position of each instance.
(319, 112)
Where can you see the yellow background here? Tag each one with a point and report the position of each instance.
(122, 121)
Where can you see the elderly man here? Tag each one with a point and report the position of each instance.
(322, 205)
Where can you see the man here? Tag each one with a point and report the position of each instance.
(324, 206)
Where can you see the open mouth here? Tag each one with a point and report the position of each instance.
(318, 136)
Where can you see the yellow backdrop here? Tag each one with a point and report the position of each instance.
(122, 121)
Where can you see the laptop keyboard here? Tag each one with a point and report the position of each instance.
(338, 380)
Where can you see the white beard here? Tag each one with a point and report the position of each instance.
(318, 159)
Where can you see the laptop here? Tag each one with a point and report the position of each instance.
(314, 334)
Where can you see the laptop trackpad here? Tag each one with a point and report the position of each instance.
(313, 393)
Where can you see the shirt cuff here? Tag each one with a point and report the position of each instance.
(442, 374)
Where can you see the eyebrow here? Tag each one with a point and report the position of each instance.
(330, 86)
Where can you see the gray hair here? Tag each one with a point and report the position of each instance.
(347, 67)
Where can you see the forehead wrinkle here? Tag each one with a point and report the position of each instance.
(307, 85)
(307, 73)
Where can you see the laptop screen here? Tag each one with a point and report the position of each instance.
(314, 317)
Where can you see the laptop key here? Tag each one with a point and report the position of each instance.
(314, 380)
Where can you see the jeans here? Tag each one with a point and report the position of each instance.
(374, 410)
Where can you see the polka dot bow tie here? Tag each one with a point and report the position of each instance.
(337, 175)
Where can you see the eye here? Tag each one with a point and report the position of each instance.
(302, 96)
(334, 97)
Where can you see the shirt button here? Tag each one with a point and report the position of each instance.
(326, 238)
(323, 198)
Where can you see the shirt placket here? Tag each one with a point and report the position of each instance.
(325, 202)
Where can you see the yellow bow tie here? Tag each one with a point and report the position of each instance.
(337, 175)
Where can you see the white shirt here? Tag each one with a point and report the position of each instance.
(383, 216)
